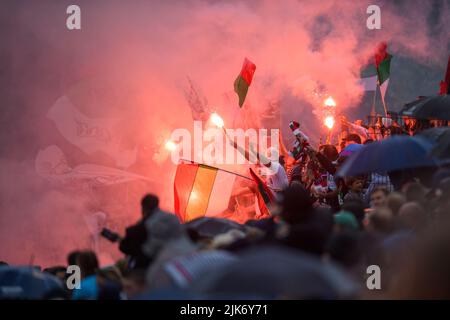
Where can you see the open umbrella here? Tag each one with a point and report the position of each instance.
(210, 227)
(434, 107)
(279, 273)
(434, 134)
(442, 148)
(348, 150)
(395, 153)
(26, 283)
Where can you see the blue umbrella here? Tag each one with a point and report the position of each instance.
(395, 153)
(26, 283)
(351, 148)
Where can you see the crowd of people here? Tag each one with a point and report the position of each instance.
(323, 234)
(382, 127)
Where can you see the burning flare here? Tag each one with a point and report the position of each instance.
(329, 122)
(170, 145)
(217, 120)
(329, 102)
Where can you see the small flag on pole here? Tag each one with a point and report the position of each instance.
(244, 80)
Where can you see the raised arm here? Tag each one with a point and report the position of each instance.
(244, 152)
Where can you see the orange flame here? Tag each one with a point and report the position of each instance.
(217, 120)
(170, 145)
(329, 122)
(329, 102)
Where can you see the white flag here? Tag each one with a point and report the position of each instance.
(52, 164)
(197, 101)
(369, 84)
(90, 135)
(383, 88)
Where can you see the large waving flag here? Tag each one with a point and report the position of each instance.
(201, 190)
(90, 135)
(244, 80)
(52, 165)
(383, 64)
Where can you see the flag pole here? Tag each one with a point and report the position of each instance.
(385, 108)
(382, 99)
(373, 111)
(205, 165)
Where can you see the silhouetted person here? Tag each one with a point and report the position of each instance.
(136, 235)
(88, 263)
(309, 228)
(72, 257)
(356, 207)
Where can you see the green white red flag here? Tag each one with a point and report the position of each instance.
(243, 80)
(383, 64)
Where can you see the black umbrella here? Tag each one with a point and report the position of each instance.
(434, 134)
(442, 148)
(210, 227)
(434, 107)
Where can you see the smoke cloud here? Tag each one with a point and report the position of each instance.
(130, 61)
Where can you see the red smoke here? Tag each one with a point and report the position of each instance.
(131, 60)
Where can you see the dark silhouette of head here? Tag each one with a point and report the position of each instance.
(345, 248)
(353, 138)
(72, 257)
(149, 204)
(415, 192)
(412, 216)
(296, 204)
(356, 207)
(88, 263)
(330, 151)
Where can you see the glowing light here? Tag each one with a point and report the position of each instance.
(329, 102)
(193, 196)
(329, 122)
(170, 145)
(217, 120)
